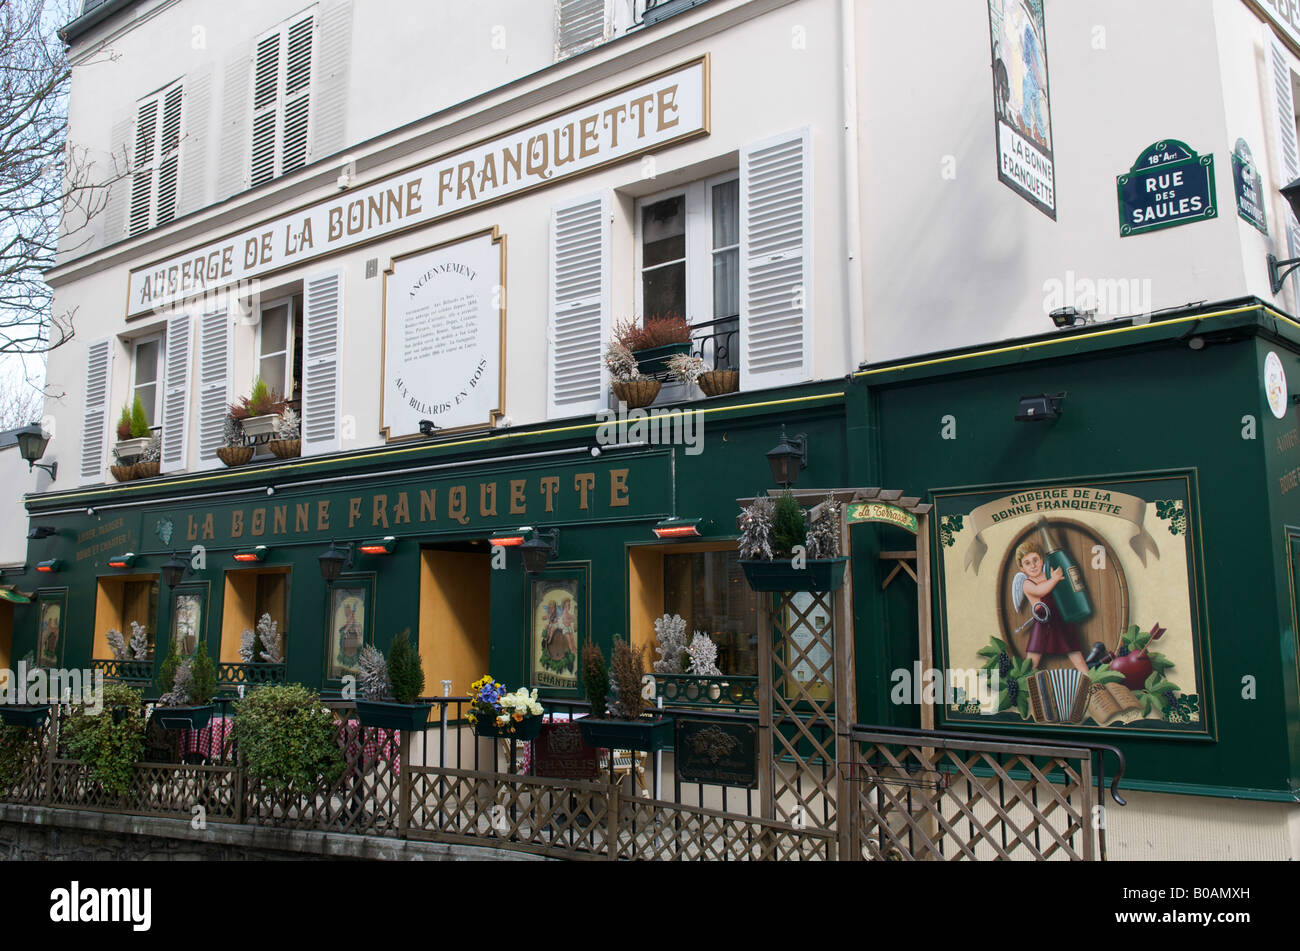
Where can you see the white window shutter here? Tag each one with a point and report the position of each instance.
(580, 25)
(176, 393)
(329, 113)
(193, 192)
(266, 99)
(579, 307)
(322, 325)
(94, 423)
(119, 192)
(297, 95)
(776, 261)
(169, 152)
(1284, 127)
(142, 171)
(216, 351)
(232, 156)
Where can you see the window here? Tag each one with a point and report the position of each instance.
(708, 589)
(688, 243)
(156, 160)
(279, 347)
(119, 601)
(145, 375)
(282, 73)
(250, 594)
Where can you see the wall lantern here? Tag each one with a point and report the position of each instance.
(335, 560)
(539, 549)
(31, 446)
(122, 561)
(174, 571)
(53, 566)
(513, 539)
(789, 456)
(678, 528)
(247, 555)
(383, 546)
(1276, 276)
(1036, 409)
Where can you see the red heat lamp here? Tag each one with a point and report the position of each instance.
(122, 561)
(251, 554)
(513, 539)
(383, 546)
(678, 528)
(49, 567)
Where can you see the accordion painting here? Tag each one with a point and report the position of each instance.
(1058, 696)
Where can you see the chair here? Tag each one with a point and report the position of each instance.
(626, 762)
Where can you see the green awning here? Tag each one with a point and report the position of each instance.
(9, 594)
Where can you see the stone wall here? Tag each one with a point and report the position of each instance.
(39, 833)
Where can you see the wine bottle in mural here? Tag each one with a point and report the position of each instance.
(1072, 594)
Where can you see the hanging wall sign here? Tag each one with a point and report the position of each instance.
(444, 321)
(719, 753)
(1249, 188)
(1022, 101)
(1168, 185)
(881, 512)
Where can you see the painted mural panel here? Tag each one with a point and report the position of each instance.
(1022, 101)
(1078, 602)
(556, 609)
(347, 631)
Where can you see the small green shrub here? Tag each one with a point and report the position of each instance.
(139, 421)
(124, 424)
(203, 677)
(788, 524)
(19, 746)
(405, 672)
(595, 678)
(287, 738)
(109, 744)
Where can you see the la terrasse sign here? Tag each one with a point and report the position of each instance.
(649, 115)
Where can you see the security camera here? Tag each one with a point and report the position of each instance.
(1072, 317)
(428, 427)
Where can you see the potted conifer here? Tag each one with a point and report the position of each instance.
(621, 722)
(259, 412)
(132, 433)
(189, 684)
(391, 686)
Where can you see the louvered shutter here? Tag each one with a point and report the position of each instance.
(329, 112)
(1288, 150)
(146, 131)
(169, 152)
(579, 307)
(579, 25)
(119, 192)
(297, 95)
(266, 97)
(321, 331)
(176, 393)
(94, 422)
(193, 190)
(232, 155)
(776, 261)
(215, 353)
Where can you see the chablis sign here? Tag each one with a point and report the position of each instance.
(1168, 185)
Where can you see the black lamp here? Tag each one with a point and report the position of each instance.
(538, 549)
(173, 572)
(789, 456)
(1276, 275)
(334, 561)
(1041, 408)
(31, 446)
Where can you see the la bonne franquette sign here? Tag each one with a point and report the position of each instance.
(648, 115)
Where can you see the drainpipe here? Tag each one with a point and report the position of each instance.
(853, 198)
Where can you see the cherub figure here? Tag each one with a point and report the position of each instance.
(1051, 634)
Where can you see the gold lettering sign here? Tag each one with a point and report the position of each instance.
(641, 118)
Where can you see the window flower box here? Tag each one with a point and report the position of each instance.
(529, 728)
(31, 715)
(655, 360)
(128, 451)
(648, 734)
(393, 716)
(822, 574)
(257, 426)
(183, 718)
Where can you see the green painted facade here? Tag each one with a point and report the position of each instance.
(1140, 401)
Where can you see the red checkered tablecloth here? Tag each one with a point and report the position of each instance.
(372, 743)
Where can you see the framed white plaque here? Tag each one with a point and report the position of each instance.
(444, 332)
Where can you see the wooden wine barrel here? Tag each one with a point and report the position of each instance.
(1107, 588)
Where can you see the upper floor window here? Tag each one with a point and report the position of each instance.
(156, 160)
(282, 76)
(279, 347)
(146, 375)
(689, 247)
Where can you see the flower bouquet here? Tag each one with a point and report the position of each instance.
(494, 712)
